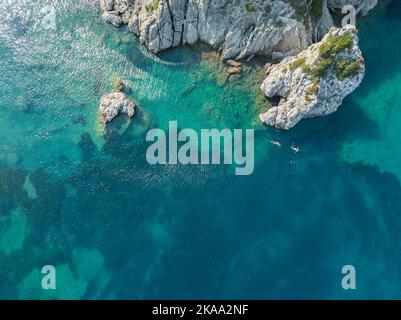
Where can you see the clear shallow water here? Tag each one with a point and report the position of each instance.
(116, 227)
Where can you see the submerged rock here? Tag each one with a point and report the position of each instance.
(81, 120)
(233, 63)
(114, 104)
(86, 145)
(118, 85)
(315, 82)
(11, 189)
(234, 70)
(22, 102)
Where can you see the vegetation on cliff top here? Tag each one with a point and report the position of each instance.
(250, 7)
(150, 7)
(328, 52)
(344, 67)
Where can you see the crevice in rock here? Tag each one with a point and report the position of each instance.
(275, 100)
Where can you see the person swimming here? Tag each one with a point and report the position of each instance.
(295, 149)
(276, 143)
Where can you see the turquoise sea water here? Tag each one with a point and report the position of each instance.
(87, 202)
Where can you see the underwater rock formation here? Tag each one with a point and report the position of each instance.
(11, 189)
(86, 145)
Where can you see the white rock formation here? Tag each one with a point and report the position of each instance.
(114, 104)
(315, 82)
(239, 28)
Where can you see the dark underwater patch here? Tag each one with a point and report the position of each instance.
(44, 211)
(87, 146)
(11, 191)
(393, 10)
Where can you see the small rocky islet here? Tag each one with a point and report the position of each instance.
(315, 82)
(312, 65)
(113, 104)
(116, 102)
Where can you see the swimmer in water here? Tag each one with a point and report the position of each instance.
(276, 143)
(295, 149)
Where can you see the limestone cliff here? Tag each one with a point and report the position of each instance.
(315, 82)
(239, 28)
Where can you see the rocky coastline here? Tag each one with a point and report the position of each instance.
(283, 31)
